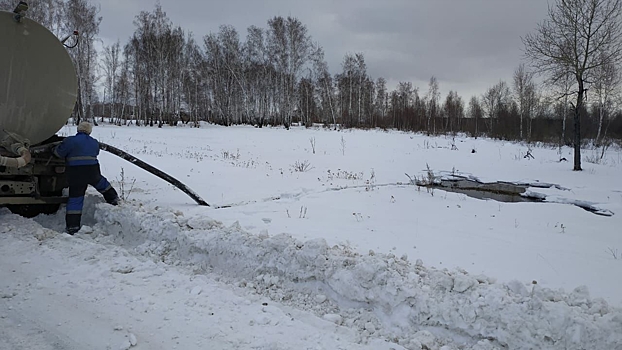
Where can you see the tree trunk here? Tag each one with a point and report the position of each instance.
(600, 120)
(563, 141)
(522, 107)
(577, 129)
(434, 121)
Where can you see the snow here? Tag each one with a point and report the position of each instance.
(345, 255)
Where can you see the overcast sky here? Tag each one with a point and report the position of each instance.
(469, 45)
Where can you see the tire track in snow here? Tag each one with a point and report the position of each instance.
(302, 194)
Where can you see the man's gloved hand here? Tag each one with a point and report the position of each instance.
(53, 149)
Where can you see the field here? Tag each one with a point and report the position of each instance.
(326, 229)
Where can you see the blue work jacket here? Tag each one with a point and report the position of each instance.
(80, 149)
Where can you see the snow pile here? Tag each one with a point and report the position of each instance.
(73, 293)
(381, 295)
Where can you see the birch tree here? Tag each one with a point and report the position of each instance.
(289, 45)
(524, 90)
(361, 76)
(494, 101)
(432, 98)
(578, 37)
(110, 65)
(324, 86)
(260, 74)
(124, 85)
(381, 101)
(346, 86)
(80, 15)
(476, 113)
(453, 110)
(49, 13)
(192, 79)
(606, 84)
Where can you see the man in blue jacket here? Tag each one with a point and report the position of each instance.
(80, 152)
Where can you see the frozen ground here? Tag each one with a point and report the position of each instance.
(345, 254)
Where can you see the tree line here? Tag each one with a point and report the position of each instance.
(278, 76)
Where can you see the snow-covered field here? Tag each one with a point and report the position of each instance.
(345, 254)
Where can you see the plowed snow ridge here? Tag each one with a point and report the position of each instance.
(380, 294)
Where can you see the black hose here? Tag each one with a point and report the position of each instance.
(164, 176)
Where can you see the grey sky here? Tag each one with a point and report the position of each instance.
(469, 45)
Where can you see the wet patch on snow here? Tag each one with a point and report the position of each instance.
(589, 206)
(502, 191)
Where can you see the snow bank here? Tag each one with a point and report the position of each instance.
(380, 294)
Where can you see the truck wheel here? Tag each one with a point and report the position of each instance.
(32, 210)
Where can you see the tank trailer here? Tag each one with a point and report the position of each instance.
(38, 92)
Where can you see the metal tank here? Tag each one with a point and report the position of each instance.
(38, 91)
(38, 83)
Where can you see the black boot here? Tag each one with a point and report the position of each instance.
(73, 223)
(111, 196)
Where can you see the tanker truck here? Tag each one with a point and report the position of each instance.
(38, 92)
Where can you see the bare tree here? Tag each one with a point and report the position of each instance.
(232, 71)
(157, 48)
(192, 79)
(495, 100)
(524, 88)
(49, 13)
(259, 74)
(111, 64)
(453, 111)
(475, 112)
(80, 15)
(289, 47)
(559, 97)
(607, 81)
(578, 37)
(381, 100)
(324, 86)
(123, 84)
(356, 90)
(346, 87)
(361, 72)
(299, 45)
(403, 101)
(432, 98)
